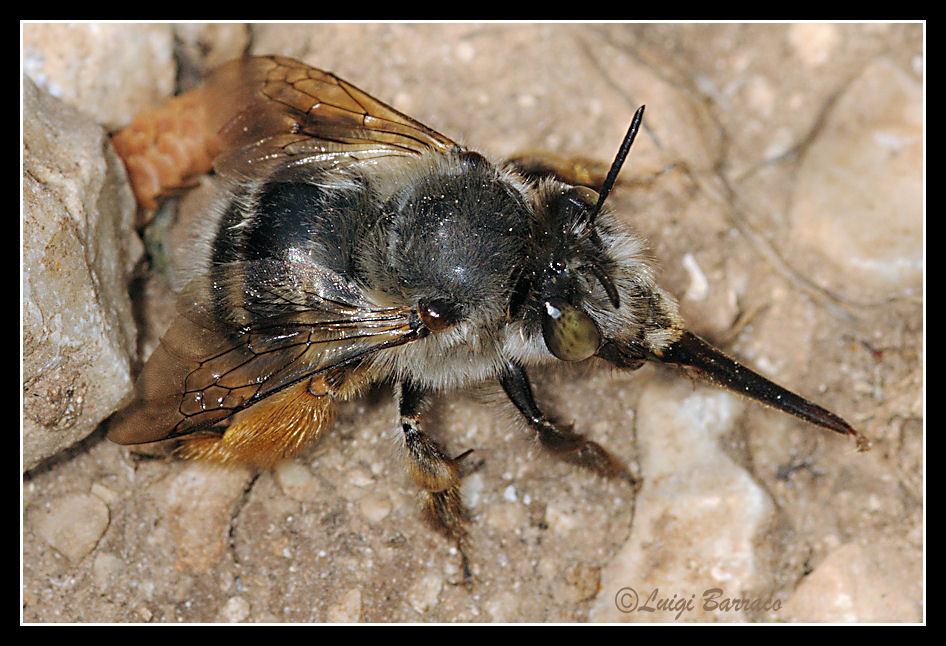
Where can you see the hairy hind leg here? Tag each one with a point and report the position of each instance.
(276, 429)
(434, 473)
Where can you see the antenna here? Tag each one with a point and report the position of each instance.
(617, 163)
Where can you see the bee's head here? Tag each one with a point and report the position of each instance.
(592, 290)
(592, 293)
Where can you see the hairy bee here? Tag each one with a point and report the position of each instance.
(350, 244)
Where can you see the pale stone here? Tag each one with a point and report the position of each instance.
(698, 514)
(200, 499)
(859, 195)
(858, 583)
(235, 610)
(424, 593)
(72, 524)
(348, 608)
(111, 71)
(297, 481)
(212, 44)
(471, 489)
(813, 43)
(360, 477)
(79, 249)
(374, 507)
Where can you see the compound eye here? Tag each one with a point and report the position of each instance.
(575, 202)
(474, 160)
(569, 333)
(438, 315)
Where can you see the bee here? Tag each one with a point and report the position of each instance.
(350, 244)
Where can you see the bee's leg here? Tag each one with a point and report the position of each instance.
(433, 472)
(562, 441)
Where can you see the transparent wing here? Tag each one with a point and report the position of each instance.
(217, 359)
(272, 112)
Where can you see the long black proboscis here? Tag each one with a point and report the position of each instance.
(690, 351)
(618, 162)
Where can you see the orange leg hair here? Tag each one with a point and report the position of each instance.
(276, 429)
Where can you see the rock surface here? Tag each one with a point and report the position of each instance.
(79, 249)
(758, 161)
